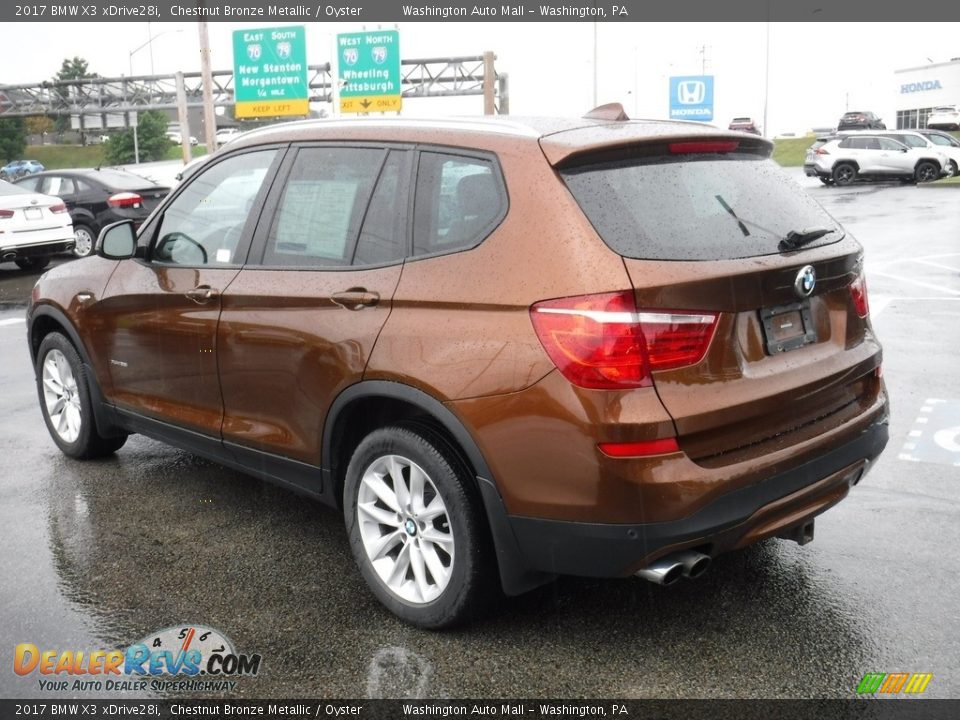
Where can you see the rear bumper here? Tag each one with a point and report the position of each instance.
(42, 249)
(733, 520)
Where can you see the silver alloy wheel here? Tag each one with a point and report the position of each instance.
(405, 529)
(61, 396)
(82, 242)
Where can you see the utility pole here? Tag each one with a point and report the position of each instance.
(766, 84)
(489, 101)
(183, 118)
(206, 74)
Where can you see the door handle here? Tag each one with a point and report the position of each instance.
(355, 298)
(202, 294)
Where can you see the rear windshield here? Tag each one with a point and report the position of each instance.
(119, 180)
(695, 207)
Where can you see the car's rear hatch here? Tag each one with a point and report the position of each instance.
(700, 224)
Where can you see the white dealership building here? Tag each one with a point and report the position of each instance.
(920, 89)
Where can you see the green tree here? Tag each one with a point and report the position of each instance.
(151, 137)
(74, 68)
(13, 138)
(39, 124)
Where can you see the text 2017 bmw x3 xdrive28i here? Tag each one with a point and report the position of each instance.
(505, 349)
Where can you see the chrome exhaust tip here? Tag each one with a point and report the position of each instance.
(665, 571)
(694, 564)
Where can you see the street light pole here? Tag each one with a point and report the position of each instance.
(147, 44)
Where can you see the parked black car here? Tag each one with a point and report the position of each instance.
(97, 197)
(859, 120)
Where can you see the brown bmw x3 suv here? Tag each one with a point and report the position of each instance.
(505, 349)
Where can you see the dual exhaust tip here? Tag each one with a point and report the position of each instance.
(667, 570)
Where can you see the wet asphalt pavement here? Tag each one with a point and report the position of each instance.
(97, 555)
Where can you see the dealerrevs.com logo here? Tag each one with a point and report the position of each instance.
(159, 662)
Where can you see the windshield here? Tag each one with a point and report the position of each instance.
(695, 207)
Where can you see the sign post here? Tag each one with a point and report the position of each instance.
(270, 72)
(369, 71)
(691, 98)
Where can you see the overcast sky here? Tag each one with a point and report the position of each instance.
(816, 71)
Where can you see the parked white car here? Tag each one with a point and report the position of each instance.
(845, 158)
(225, 135)
(32, 227)
(177, 139)
(946, 117)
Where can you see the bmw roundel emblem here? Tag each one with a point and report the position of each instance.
(806, 281)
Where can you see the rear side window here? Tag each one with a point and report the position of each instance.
(318, 219)
(695, 207)
(459, 201)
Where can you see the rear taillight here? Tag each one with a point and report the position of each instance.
(61, 208)
(604, 342)
(821, 151)
(6, 214)
(858, 293)
(703, 146)
(125, 199)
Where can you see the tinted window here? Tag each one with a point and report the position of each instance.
(459, 202)
(203, 225)
(694, 207)
(942, 140)
(322, 206)
(911, 141)
(382, 235)
(120, 180)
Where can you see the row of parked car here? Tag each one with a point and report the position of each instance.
(51, 212)
(907, 155)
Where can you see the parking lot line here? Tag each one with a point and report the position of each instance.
(919, 283)
(922, 261)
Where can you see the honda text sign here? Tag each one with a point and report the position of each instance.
(691, 98)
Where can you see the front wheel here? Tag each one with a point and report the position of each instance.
(83, 240)
(414, 525)
(926, 172)
(65, 401)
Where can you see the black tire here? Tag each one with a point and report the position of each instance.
(461, 595)
(85, 240)
(844, 173)
(926, 171)
(32, 263)
(88, 443)
(953, 169)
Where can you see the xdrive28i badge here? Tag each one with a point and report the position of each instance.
(806, 281)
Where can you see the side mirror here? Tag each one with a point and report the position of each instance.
(117, 241)
(904, 149)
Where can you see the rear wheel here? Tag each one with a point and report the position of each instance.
(32, 263)
(65, 401)
(414, 525)
(844, 174)
(83, 240)
(926, 172)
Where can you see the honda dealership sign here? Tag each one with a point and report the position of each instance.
(691, 98)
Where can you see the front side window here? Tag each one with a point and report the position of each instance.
(204, 223)
(459, 201)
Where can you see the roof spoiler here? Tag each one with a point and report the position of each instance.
(610, 111)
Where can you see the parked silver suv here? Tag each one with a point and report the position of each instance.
(842, 159)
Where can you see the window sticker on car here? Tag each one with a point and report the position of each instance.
(315, 217)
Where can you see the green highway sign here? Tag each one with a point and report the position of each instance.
(369, 71)
(270, 72)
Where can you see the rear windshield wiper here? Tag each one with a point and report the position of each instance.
(796, 239)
